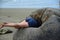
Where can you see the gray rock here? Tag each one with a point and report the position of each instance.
(49, 30)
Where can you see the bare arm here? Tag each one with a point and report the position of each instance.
(23, 24)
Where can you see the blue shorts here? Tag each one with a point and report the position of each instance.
(32, 22)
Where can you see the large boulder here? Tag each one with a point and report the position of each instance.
(49, 30)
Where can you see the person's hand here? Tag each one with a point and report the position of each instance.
(1, 26)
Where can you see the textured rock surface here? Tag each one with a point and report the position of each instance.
(50, 30)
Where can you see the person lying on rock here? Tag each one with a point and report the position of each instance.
(34, 20)
(28, 22)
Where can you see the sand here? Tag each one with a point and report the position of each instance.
(12, 15)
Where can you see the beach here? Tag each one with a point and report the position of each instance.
(13, 15)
